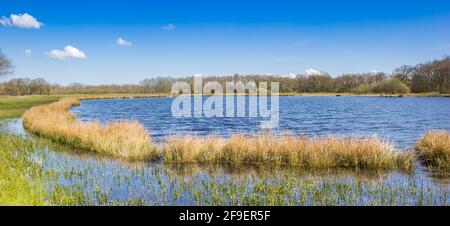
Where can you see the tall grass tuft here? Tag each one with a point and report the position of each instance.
(124, 139)
(315, 152)
(434, 149)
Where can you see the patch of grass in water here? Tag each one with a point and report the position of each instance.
(21, 180)
(124, 139)
(434, 150)
(308, 152)
(111, 184)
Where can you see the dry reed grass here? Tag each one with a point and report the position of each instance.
(327, 152)
(130, 140)
(434, 149)
(124, 139)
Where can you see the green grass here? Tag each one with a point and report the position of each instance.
(14, 107)
(23, 180)
(20, 179)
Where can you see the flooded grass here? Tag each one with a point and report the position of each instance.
(58, 175)
(315, 152)
(20, 182)
(434, 150)
(124, 139)
(161, 185)
(310, 171)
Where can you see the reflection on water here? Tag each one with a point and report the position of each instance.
(12, 126)
(102, 180)
(400, 120)
(159, 184)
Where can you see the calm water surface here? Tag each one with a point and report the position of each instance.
(400, 120)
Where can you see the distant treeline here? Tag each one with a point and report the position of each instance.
(428, 77)
(422, 78)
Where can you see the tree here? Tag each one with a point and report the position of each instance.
(39, 86)
(403, 74)
(441, 75)
(6, 66)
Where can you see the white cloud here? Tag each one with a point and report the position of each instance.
(6, 22)
(169, 27)
(25, 20)
(122, 42)
(312, 71)
(67, 53)
(28, 52)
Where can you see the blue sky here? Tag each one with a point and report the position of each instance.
(179, 38)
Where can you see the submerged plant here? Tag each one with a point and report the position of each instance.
(20, 178)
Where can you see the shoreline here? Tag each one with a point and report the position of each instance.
(74, 135)
(129, 140)
(15, 106)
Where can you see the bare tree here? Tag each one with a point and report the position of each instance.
(403, 73)
(6, 66)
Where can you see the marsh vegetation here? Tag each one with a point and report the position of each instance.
(49, 173)
(434, 150)
(130, 140)
(200, 170)
(125, 139)
(315, 152)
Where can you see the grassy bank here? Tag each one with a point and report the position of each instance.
(434, 150)
(14, 107)
(327, 152)
(124, 139)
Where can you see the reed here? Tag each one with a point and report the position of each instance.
(315, 152)
(434, 149)
(124, 139)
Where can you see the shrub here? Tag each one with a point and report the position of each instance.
(363, 88)
(434, 149)
(391, 86)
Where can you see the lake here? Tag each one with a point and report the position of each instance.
(400, 120)
(102, 180)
